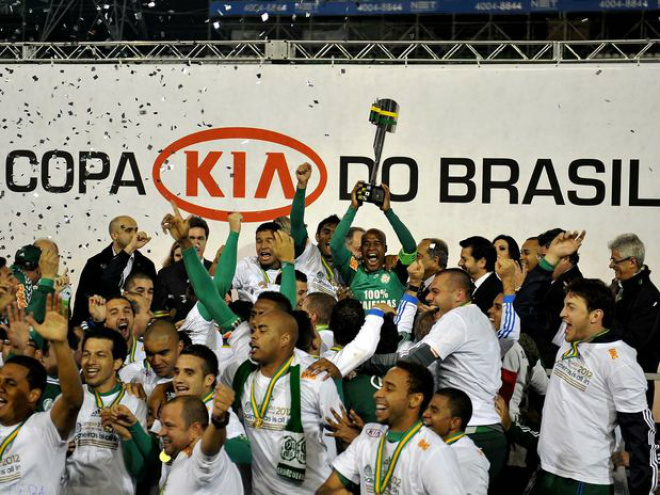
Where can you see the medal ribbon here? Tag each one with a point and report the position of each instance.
(330, 273)
(120, 396)
(380, 482)
(454, 438)
(260, 411)
(208, 397)
(133, 349)
(573, 351)
(10, 439)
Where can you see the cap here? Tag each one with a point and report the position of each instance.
(27, 257)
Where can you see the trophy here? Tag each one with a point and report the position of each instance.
(384, 115)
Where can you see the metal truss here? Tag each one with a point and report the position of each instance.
(356, 52)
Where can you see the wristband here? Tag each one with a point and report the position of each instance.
(412, 288)
(220, 424)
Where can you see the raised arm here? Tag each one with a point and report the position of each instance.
(55, 329)
(224, 272)
(408, 251)
(215, 435)
(199, 278)
(298, 227)
(283, 250)
(340, 253)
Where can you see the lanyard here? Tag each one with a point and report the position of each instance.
(454, 438)
(10, 439)
(133, 349)
(330, 273)
(573, 351)
(208, 397)
(260, 411)
(336, 348)
(380, 482)
(266, 277)
(120, 396)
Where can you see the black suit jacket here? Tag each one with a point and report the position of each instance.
(174, 290)
(101, 276)
(486, 293)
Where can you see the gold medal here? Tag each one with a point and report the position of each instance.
(164, 458)
(258, 423)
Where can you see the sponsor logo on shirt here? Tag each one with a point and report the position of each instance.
(423, 445)
(374, 433)
(613, 353)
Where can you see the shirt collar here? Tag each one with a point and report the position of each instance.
(481, 280)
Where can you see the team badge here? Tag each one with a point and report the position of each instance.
(385, 278)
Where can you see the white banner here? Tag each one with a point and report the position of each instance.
(478, 150)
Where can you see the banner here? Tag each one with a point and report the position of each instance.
(478, 150)
(251, 8)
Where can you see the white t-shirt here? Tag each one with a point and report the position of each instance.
(469, 354)
(200, 330)
(34, 461)
(97, 463)
(426, 466)
(234, 427)
(136, 352)
(515, 361)
(317, 397)
(141, 372)
(250, 279)
(318, 278)
(473, 464)
(201, 475)
(579, 415)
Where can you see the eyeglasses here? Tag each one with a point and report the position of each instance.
(616, 262)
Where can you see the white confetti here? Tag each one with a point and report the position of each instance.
(216, 25)
(264, 16)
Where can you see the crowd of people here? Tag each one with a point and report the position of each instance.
(324, 365)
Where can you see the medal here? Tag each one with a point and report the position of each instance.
(260, 411)
(164, 458)
(383, 476)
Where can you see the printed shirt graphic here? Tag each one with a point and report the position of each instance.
(579, 415)
(250, 281)
(34, 461)
(317, 398)
(318, 277)
(97, 463)
(426, 466)
(371, 288)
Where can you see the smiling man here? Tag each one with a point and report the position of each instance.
(314, 260)
(33, 446)
(254, 274)
(410, 459)
(98, 463)
(370, 282)
(120, 317)
(596, 385)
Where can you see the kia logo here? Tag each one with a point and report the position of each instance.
(275, 174)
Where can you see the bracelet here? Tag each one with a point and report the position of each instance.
(412, 288)
(220, 424)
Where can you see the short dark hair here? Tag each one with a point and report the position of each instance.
(193, 410)
(322, 304)
(514, 250)
(420, 381)
(346, 320)
(438, 248)
(119, 346)
(459, 402)
(241, 309)
(271, 226)
(199, 222)
(282, 302)
(36, 376)
(548, 236)
(210, 366)
(459, 279)
(331, 220)
(305, 330)
(482, 248)
(137, 276)
(300, 277)
(596, 295)
(123, 299)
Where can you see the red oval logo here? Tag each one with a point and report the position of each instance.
(200, 171)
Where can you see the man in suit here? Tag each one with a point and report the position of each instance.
(105, 273)
(478, 257)
(173, 290)
(433, 254)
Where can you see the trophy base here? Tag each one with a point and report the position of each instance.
(371, 194)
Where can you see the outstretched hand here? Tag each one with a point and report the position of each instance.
(55, 326)
(175, 224)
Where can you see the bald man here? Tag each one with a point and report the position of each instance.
(161, 347)
(105, 273)
(282, 412)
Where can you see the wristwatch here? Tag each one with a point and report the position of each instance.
(220, 424)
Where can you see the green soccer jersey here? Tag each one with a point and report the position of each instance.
(359, 395)
(51, 393)
(371, 288)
